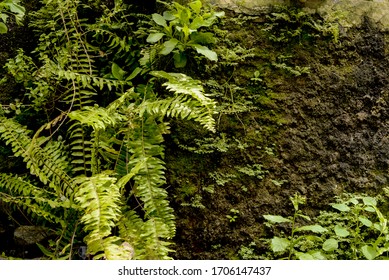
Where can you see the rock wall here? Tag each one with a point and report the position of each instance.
(348, 12)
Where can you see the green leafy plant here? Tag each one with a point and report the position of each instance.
(294, 25)
(233, 215)
(7, 8)
(292, 246)
(358, 229)
(181, 28)
(355, 229)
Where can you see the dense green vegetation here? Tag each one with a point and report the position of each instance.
(139, 119)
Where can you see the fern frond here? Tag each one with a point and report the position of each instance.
(190, 100)
(46, 163)
(181, 83)
(180, 107)
(36, 201)
(99, 196)
(145, 145)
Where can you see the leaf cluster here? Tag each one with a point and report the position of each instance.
(354, 229)
(182, 28)
(7, 8)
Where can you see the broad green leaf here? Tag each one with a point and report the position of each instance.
(378, 227)
(341, 231)
(134, 73)
(168, 16)
(154, 37)
(369, 201)
(196, 6)
(279, 244)
(197, 23)
(341, 207)
(169, 46)
(330, 245)
(211, 55)
(16, 8)
(313, 228)
(354, 201)
(179, 59)
(304, 256)
(365, 221)
(117, 72)
(370, 209)
(3, 17)
(304, 217)
(369, 252)
(158, 19)
(3, 28)
(276, 219)
(219, 14)
(318, 255)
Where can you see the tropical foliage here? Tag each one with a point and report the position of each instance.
(96, 165)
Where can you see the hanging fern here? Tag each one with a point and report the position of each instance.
(105, 182)
(99, 196)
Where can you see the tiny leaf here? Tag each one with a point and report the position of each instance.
(211, 55)
(369, 252)
(169, 46)
(276, 219)
(158, 19)
(304, 256)
(313, 228)
(365, 221)
(330, 245)
(154, 37)
(341, 207)
(3, 28)
(369, 201)
(279, 244)
(341, 231)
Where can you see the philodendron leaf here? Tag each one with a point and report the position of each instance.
(279, 244)
(341, 231)
(313, 228)
(158, 19)
(169, 46)
(211, 55)
(154, 37)
(3, 28)
(369, 252)
(330, 245)
(276, 219)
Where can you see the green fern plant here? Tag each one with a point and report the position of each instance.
(103, 182)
